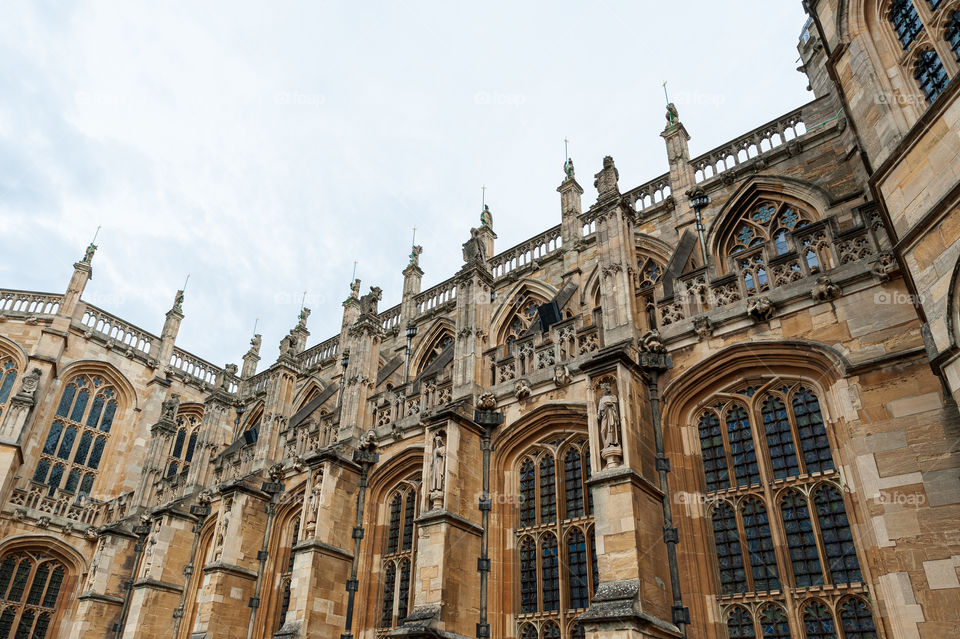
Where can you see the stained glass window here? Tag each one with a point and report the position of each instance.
(528, 500)
(813, 435)
(389, 584)
(29, 593)
(714, 456)
(763, 558)
(548, 490)
(399, 555)
(393, 538)
(528, 575)
(403, 591)
(783, 456)
(773, 623)
(550, 573)
(801, 540)
(953, 34)
(838, 546)
(740, 624)
(579, 590)
(818, 622)
(573, 484)
(8, 375)
(906, 21)
(930, 74)
(856, 620)
(733, 578)
(745, 466)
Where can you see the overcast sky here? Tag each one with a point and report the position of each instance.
(262, 147)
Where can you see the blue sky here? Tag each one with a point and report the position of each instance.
(263, 147)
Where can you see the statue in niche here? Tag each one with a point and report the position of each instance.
(313, 503)
(438, 467)
(608, 420)
(168, 409)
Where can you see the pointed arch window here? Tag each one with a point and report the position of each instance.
(293, 534)
(8, 376)
(856, 619)
(556, 551)
(818, 622)
(740, 624)
(524, 313)
(773, 622)
(183, 443)
(906, 21)
(75, 442)
(440, 343)
(30, 587)
(745, 466)
(399, 555)
(760, 549)
(930, 74)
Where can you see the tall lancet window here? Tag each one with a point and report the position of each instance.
(556, 554)
(399, 556)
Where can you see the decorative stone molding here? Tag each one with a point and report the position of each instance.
(825, 290)
(702, 327)
(760, 309)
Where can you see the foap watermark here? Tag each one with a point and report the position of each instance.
(901, 99)
(893, 498)
(502, 499)
(496, 98)
(887, 298)
(296, 98)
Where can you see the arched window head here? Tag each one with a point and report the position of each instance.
(649, 272)
(906, 21)
(740, 623)
(30, 588)
(183, 443)
(766, 222)
(801, 539)
(818, 621)
(524, 313)
(773, 622)
(75, 442)
(399, 554)
(930, 74)
(438, 345)
(856, 619)
(8, 376)
(733, 577)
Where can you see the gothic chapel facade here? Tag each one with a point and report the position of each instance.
(720, 404)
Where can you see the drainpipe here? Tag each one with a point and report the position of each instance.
(366, 456)
(272, 488)
(681, 615)
(489, 420)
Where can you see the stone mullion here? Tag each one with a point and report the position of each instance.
(559, 487)
(744, 550)
(732, 481)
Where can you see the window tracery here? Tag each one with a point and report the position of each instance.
(918, 27)
(398, 557)
(523, 316)
(556, 551)
(183, 443)
(768, 437)
(30, 586)
(8, 376)
(75, 443)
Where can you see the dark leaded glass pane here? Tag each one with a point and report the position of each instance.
(172, 469)
(53, 589)
(801, 540)
(733, 578)
(7, 385)
(931, 75)
(6, 574)
(66, 444)
(403, 591)
(528, 575)
(408, 521)
(548, 490)
(40, 630)
(579, 589)
(856, 620)
(190, 446)
(39, 583)
(714, 457)
(578, 631)
(178, 442)
(20, 580)
(763, 558)
(87, 484)
(837, 539)
(95, 411)
(551, 631)
(72, 480)
(934, 4)
(94, 461)
(593, 560)
(550, 573)
(745, 465)
(573, 484)
(773, 623)
(527, 631)
(818, 622)
(83, 448)
(389, 583)
(776, 425)
(393, 537)
(80, 405)
(740, 624)
(528, 503)
(66, 400)
(25, 625)
(906, 21)
(55, 476)
(813, 435)
(6, 622)
(108, 416)
(53, 437)
(40, 475)
(589, 472)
